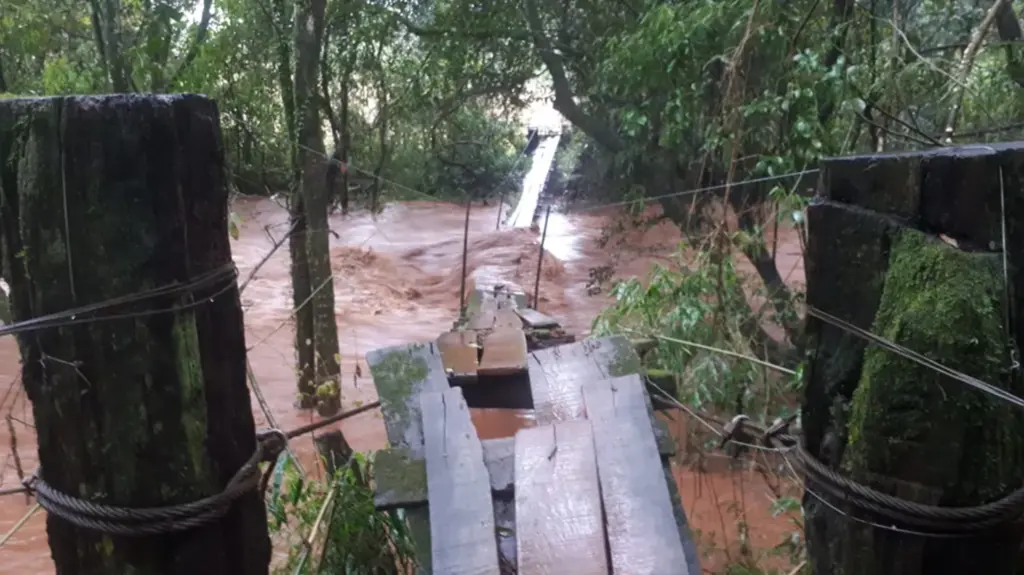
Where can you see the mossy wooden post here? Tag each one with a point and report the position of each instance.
(102, 197)
(910, 247)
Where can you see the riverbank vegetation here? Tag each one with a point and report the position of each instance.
(723, 107)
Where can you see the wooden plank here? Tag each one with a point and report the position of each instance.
(400, 480)
(483, 317)
(504, 352)
(401, 374)
(459, 352)
(507, 318)
(643, 536)
(462, 535)
(536, 319)
(560, 528)
(557, 374)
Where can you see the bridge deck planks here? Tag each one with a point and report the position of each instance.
(642, 532)
(459, 352)
(559, 526)
(558, 374)
(462, 533)
(400, 374)
(504, 352)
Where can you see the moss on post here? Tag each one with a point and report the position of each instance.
(102, 197)
(922, 436)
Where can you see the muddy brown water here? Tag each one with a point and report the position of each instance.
(397, 281)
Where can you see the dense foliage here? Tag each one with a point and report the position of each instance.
(661, 97)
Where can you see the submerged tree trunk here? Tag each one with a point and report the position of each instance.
(301, 290)
(309, 27)
(101, 199)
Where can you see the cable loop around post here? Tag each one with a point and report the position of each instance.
(134, 522)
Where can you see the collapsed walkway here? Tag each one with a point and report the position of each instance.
(586, 491)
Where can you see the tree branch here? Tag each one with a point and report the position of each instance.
(565, 101)
(197, 42)
(967, 62)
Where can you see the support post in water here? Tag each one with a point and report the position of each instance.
(540, 260)
(465, 252)
(142, 403)
(924, 250)
(501, 204)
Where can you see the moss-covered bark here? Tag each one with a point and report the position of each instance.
(105, 197)
(309, 26)
(921, 435)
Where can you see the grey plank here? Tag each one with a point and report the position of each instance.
(557, 374)
(560, 529)
(400, 480)
(462, 535)
(643, 536)
(536, 319)
(401, 374)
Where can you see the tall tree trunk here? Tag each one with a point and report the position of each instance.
(106, 28)
(309, 27)
(297, 241)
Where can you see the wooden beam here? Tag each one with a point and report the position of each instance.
(507, 318)
(484, 315)
(504, 352)
(559, 526)
(558, 374)
(462, 534)
(401, 374)
(536, 319)
(642, 531)
(400, 480)
(459, 352)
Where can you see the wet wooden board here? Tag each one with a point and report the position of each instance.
(504, 352)
(536, 319)
(459, 352)
(557, 374)
(643, 536)
(507, 318)
(559, 526)
(400, 375)
(400, 481)
(462, 534)
(483, 317)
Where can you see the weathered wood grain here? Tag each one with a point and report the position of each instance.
(643, 536)
(558, 374)
(462, 535)
(504, 352)
(536, 319)
(401, 374)
(483, 316)
(507, 318)
(400, 481)
(459, 353)
(560, 528)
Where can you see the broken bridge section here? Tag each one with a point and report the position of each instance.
(587, 490)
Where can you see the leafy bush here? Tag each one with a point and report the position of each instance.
(349, 536)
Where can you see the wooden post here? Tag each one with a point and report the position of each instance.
(103, 197)
(465, 255)
(910, 247)
(540, 260)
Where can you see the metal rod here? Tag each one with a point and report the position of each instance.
(540, 260)
(465, 251)
(501, 204)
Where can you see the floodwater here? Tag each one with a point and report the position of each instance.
(397, 281)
